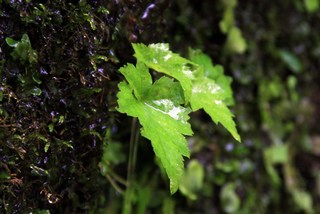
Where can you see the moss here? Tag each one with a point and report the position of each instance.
(55, 110)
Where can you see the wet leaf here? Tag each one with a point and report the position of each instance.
(38, 171)
(140, 83)
(163, 107)
(36, 91)
(213, 72)
(22, 50)
(165, 125)
(160, 58)
(165, 88)
(36, 78)
(64, 143)
(11, 42)
(208, 95)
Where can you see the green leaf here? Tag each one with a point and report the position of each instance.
(192, 181)
(229, 3)
(215, 73)
(11, 42)
(168, 205)
(208, 95)
(166, 88)
(4, 176)
(22, 49)
(292, 61)
(229, 199)
(46, 147)
(144, 197)
(50, 127)
(113, 153)
(311, 5)
(138, 77)
(277, 154)
(38, 171)
(162, 107)
(235, 42)
(164, 123)
(303, 200)
(160, 58)
(227, 21)
(36, 91)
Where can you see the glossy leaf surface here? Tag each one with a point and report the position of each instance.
(209, 96)
(162, 107)
(160, 58)
(164, 122)
(214, 72)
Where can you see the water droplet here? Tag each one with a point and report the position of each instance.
(36, 91)
(218, 102)
(155, 61)
(146, 12)
(167, 107)
(45, 160)
(52, 199)
(166, 57)
(160, 46)
(92, 126)
(94, 143)
(187, 72)
(63, 101)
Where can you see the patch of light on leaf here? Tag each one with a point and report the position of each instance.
(155, 61)
(187, 72)
(197, 89)
(218, 102)
(203, 88)
(167, 107)
(166, 57)
(213, 88)
(175, 113)
(160, 46)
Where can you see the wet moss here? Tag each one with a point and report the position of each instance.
(55, 110)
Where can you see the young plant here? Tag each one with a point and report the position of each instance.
(163, 106)
(22, 50)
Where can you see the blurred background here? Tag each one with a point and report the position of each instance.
(64, 148)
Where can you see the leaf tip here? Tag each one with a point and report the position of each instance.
(237, 137)
(173, 188)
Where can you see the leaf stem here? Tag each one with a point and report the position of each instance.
(134, 138)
